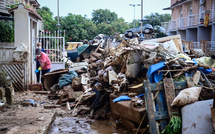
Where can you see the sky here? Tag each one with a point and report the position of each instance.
(120, 7)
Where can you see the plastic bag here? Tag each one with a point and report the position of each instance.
(187, 96)
(170, 46)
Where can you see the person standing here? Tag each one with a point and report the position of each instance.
(78, 45)
(39, 45)
(66, 46)
(213, 61)
(45, 63)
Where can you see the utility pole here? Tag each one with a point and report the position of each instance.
(58, 25)
(134, 10)
(141, 17)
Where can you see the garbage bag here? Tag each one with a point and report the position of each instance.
(205, 71)
(206, 61)
(183, 56)
(170, 46)
(152, 73)
(67, 79)
(187, 96)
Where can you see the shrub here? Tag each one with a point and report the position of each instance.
(6, 32)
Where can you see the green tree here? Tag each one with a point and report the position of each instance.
(6, 32)
(103, 16)
(78, 27)
(118, 26)
(137, 24)
(159, 34)
(157, 19)
(48, 21)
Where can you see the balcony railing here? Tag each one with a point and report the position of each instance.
(213, 15)
(195, 45)
(190, 21)
(193, 20)
(4, 4)
(173, 25)
(182, 23)
(165, 25)
(210, 48)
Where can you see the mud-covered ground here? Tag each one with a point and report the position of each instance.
(34, 119)
(67, 125)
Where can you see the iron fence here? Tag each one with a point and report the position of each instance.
(17, 73)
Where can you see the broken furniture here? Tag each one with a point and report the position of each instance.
(52, 78)
(158, 99)
(130, 116)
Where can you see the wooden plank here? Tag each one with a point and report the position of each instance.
(190, 82)
(178, 86)
(177, 44)
(136, 88)
(214, 101)
(41, 92)
(52, 106)
(180, 45)
(164, 39)
(156, 86)
(150, 109)
(170, 95)
(142, 130)
(161, 113)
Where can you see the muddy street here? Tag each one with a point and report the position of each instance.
(75, 74)
(26, 118)
(74, 125)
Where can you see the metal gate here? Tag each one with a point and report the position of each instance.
(54, 45)
(17, 73)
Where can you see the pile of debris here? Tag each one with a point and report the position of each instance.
(109, 83)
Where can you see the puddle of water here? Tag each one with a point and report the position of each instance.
(82, 126)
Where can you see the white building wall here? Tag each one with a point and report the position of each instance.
(21, 26)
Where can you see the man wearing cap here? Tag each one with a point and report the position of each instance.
(39, 45)
(45, 63)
